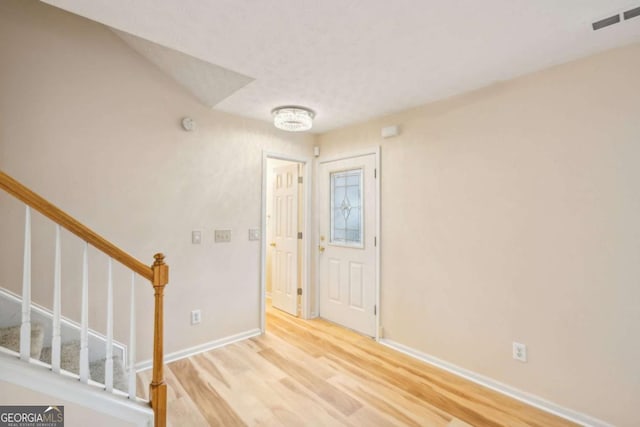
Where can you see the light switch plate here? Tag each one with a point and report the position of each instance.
(254, 234)
(222, 236)
(196, 237)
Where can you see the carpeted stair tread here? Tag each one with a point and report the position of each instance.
(98, 368)
(10, 338)
(69, 356)
(70, 361)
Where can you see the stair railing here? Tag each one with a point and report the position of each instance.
(157, 274)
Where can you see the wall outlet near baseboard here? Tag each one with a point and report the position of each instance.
(519, 351)
(196, 317)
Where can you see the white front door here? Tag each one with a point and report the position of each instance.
(284, 245)
(347, 210)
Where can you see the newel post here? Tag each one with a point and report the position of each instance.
(158, 388)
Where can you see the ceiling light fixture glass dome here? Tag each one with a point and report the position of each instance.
(293, 118)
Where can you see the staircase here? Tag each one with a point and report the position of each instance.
(70, 355)
(41, 348)
(41, 337)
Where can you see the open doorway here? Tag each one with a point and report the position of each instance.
(285, 248)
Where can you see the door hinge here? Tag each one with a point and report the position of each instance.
(299, 180)
(375, 241)
(375, 173)
(375, 310)
(299, 291)
(299, 234)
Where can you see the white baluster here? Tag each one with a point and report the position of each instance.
(25, 329)
(108, 373)
(55, 339)
(84, 332)
(132, 340)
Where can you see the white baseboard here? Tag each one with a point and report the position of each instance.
(171, 357)
(535, 401)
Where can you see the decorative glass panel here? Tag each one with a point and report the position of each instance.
(346, 207)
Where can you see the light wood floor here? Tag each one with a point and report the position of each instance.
(314, 373)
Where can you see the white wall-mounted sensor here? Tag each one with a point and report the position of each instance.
(316, 151)
(188, 124)
(390, 131)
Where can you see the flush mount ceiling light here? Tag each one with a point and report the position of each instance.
(292, 118)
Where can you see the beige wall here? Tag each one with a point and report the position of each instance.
(94, 128)
(74, 415)
(507, 214)
(511, 214)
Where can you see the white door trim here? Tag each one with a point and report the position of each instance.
(306, 227)
(343, 156)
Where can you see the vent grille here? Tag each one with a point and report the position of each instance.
(615, 19)
(632, 13)
(606, 22)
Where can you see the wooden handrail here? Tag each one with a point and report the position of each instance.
(157, 274)
(58, 216)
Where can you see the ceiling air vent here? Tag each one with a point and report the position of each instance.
(628, 14)
(632, 13)
(606, 22)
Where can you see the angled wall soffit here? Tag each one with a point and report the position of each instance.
(209, 83)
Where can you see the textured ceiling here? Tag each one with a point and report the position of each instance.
(358, 59)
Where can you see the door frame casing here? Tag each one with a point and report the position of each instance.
(344, 156)
(306, 163)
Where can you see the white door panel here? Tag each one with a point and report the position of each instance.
(347, 210)
(285, 239)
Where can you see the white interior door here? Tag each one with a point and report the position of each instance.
(284, 245)
(347, 210)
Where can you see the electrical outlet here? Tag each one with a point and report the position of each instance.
(519, 351)
(222, 236)
(196, 317)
